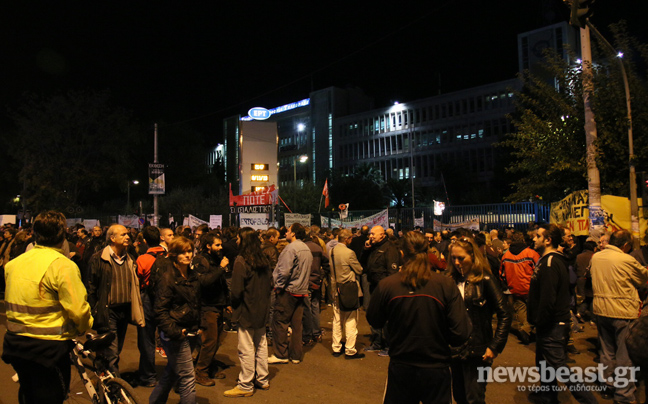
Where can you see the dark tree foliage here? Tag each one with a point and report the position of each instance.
(71, 148)
(548, 150)
(302, 198)
(362, 189)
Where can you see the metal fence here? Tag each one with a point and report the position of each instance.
(517, 215)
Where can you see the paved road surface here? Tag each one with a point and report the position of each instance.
(321, 378)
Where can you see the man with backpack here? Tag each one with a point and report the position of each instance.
(146, 334)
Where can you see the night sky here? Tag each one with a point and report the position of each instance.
(196, 62)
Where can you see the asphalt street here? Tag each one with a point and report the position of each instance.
(322, 378)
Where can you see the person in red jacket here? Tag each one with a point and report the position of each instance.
(146, 335)
(517, 268)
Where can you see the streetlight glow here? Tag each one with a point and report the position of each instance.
(301, 127)
(620, 54)
(397, 107)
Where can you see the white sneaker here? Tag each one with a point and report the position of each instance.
(295, 361)
(273, 360)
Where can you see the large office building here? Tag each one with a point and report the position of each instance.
(561, 38)
(423, 138)
(429, 140)
(304, 135)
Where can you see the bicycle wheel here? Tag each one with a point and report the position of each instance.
(118, 391)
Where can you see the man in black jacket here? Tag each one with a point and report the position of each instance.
(214, 301)
(380, 259)
(319, 270)
(423, 324)
(114, 292)
(548, 309)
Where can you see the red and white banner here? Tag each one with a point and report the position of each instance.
(266, 197)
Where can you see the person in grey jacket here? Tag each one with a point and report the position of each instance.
(345, 268)
(291, 280)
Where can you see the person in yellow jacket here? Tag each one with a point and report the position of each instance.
(46, 307)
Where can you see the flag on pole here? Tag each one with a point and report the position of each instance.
(326, 194)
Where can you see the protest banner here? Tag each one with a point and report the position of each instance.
(379, 219)
(72, 221)
(193, 221)
(266, 197)
(573, 213)
(215, 221)
(129, 221)
(4, 219)
(472, 224)
(303, 219)
(257, 221)
(90, 223)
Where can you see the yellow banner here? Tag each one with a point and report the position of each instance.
(573, 213)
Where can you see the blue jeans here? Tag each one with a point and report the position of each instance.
(119, 317)
(551, 346)
(614, 354)
(146, 342)
(311, 320)
(179, 369)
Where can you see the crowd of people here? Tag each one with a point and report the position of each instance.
(440, 304)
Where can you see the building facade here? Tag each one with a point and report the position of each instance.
(561, 38)
(305, 135)
(449, 137)
(427, 139)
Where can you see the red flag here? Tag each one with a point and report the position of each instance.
(326, 194)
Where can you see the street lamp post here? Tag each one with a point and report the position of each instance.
(134, 182)
(411, 172)
(634, 206)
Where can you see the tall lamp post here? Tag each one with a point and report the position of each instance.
(411, 172)
(134, 182)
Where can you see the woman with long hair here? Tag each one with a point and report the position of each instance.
(482, 296)
(250, 294)
(424, 316)
(177, 310)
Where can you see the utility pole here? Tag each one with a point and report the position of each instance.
(155, 160)
(580, 12)
(596, 218)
